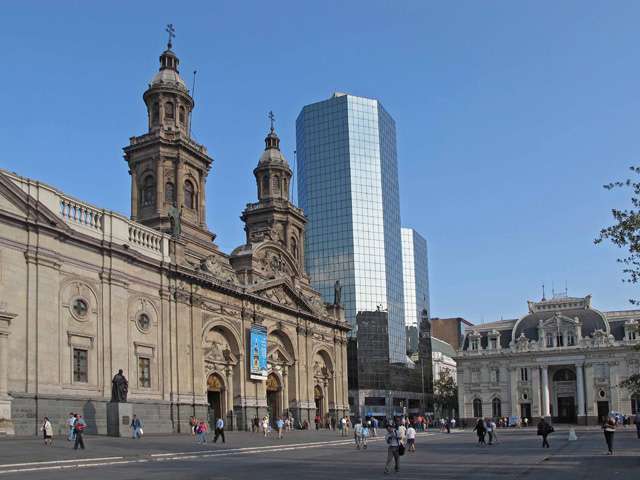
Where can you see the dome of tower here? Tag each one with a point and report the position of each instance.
(168, 78)
(272, 154)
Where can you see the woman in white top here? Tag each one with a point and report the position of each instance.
(47, 431)
(411, 438)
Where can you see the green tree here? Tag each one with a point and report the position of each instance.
(626, 234)
(445, 392)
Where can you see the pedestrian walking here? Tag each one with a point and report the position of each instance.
(255, 424)
(411, 439)
(79, 427)
(219, 430)
(193, 424)
(609, 427)
(393, 440)
(481, 432)
(453, 423)
(357, 433)
(494, 431)
(636, 421)
(70, 421)
(265, 425)
(137, 428)
(202, 431)
(47, 431)
(279, 425)
(544, 429)
(333, 423)
(374, 427)
(365, 434)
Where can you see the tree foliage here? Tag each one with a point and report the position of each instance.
(445, 391)
(626, 234)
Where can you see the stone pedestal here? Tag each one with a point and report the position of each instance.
(119, 419)
(6, 426)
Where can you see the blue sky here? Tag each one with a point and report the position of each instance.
(510, 117)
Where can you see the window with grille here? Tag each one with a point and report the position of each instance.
(80, 366)
(524, 374)
(144, 372)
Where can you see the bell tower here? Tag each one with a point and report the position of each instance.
(168, 169)
(274, 217)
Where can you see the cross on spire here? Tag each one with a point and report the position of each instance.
(272, 119)
(170, 31)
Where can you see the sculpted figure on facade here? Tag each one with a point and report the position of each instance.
(119, 388)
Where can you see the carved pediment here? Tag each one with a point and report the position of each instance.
(273, 261)
(218, 269)
(559, 321)
(276, 355)
(280, 292)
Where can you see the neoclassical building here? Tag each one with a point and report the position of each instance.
(85, 292)
(563, 359)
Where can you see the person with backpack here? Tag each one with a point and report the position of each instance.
(202, 430)
(393, 439)
(544, 429)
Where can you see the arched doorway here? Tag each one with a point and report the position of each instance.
(318, 398)
(215, 395)
(273, 400)
(564, 386)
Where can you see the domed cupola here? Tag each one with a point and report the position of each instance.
(168, 101)
(272, 173)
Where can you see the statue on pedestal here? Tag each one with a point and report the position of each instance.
(337, 291)
(119, 388)
(175, 217)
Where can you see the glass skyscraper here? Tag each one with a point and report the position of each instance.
(416, 283)
(348, 188)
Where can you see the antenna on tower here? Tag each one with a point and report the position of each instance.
(543, 297)
(566, 289)
(193, 94)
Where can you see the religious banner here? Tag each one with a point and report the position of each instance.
(258, 353)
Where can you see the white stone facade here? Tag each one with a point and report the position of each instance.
(562, 360)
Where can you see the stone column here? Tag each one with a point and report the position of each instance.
(513, 380)
(614, 379)
(544, 377)
(201, 199)
(301, 252)
(134, 194)
(6, 425)
(580, 385)
(229, 400)
(159, 185)
(179, 182)
(285, 389)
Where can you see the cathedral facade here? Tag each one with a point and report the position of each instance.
(85, 292)
(563, 360)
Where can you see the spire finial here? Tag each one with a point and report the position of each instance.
(170, 31)
(272, 118)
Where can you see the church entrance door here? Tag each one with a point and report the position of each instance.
(566, 409)
(273, 403)
(318, 397)
(215, 391)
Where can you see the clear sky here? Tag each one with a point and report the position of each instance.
(510, 117)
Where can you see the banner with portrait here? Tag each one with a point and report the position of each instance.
(258, 353)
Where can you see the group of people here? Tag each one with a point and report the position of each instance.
(76, 426)
(484, 427)
(199, 427)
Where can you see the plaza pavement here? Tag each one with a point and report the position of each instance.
(325, 454)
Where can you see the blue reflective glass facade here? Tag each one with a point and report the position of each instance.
(415, 270)
(348, 188)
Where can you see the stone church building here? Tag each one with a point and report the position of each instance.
(85, 292)
(562, 360)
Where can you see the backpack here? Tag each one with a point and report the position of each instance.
(199, 429)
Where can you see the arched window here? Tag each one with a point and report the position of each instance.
(169, 196)
(634, 404)
(189, 195)
(549, 340)
(182, 116)
(276, 184)
(265, 185)
(156, 112)
(294, 247)
(571, 339)
(477, 408)
(168, 110)
(564, 375)
(496, 408)
(559, 340)
(148, 191)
